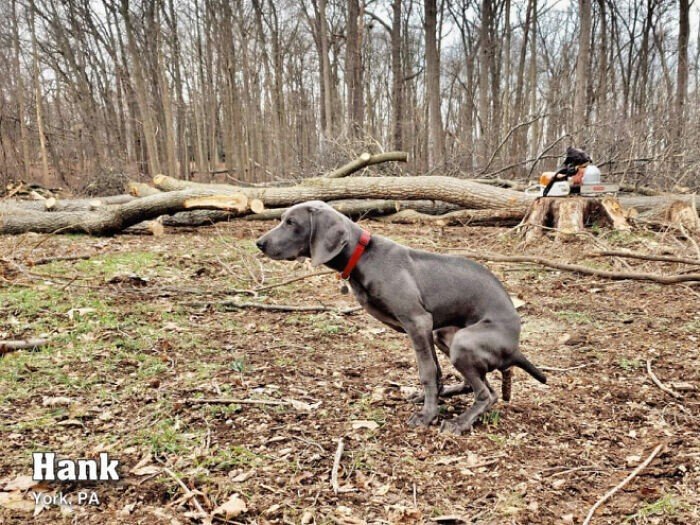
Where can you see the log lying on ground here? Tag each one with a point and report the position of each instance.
(677, 214)
(365, 160)
(461, 192)
(650, 203)
(458, 218)
(28, 344)
(112, 219)
(368, 207)
(140, 189)
(65, 204)
(585, 270)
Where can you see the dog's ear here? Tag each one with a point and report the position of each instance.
(329, 234)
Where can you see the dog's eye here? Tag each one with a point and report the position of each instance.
(289, 222)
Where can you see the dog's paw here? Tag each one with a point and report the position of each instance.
(451, 427)
(420, 419)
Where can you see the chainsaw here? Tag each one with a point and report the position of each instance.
(577, 176)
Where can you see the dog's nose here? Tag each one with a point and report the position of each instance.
(260, 243)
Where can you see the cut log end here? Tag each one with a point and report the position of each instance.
(235, 202)
(256, 206)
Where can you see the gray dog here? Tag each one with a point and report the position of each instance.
(442, 300)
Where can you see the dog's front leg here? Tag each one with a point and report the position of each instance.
(420, 330)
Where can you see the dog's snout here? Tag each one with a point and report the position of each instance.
(260, 243)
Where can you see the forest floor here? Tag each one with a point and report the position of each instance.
(138, 329)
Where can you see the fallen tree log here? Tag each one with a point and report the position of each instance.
(140, 189)
(28, 344)
(676, 214)
(458, 218)
(654, 202)
(461, 192)
(577, 268)
(65, 204)
(112, 219)
(368, 207)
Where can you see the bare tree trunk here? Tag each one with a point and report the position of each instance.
(38, 99)
(580, 117)
(353, 68)
(396, 76)
(147, 117)
(436, 143)
(485, 51)
(325, 75)
(682, 73)
(23, 133)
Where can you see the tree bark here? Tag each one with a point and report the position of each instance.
(580, 117)
(110, 220)
(458, 218)
(682, 72)
(396, 76)
(370, 207)
(464, 193)
(569, 216)
(365, 160)
(436, 145)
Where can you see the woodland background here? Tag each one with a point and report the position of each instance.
(255, 90)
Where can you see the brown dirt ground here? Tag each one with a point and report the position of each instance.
(126, 354)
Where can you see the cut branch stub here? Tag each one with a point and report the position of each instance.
(256, 206)
(365, 160)
(139, 189)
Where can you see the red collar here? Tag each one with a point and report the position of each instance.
(355, 257)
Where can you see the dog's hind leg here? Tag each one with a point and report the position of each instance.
(473, 353)
(443, 340)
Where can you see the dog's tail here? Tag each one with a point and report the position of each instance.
(521, 361)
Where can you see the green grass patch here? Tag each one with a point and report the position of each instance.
(575, 317)
(667, 505)
(231, 457)
(630, 364)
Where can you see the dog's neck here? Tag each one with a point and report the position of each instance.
(340, 261)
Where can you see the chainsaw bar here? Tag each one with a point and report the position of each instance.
(596, 189)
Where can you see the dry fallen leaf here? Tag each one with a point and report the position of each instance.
(146, 470)
(243, 476)
(56, 401)
(234, 507)
(401, 515)
(383, 490)
(368, 424)
(20, 483)
(15, 501)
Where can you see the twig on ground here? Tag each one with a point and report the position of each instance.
(658, 382)
(555, 369)
(645, 256)
(289, 281)
(191, 495)
(11, 346)
(277, 307)
(576, 268)
(301, 405)
(336, 465)
(47, 260)
(624, 482)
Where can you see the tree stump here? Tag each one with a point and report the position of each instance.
(569, 216)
